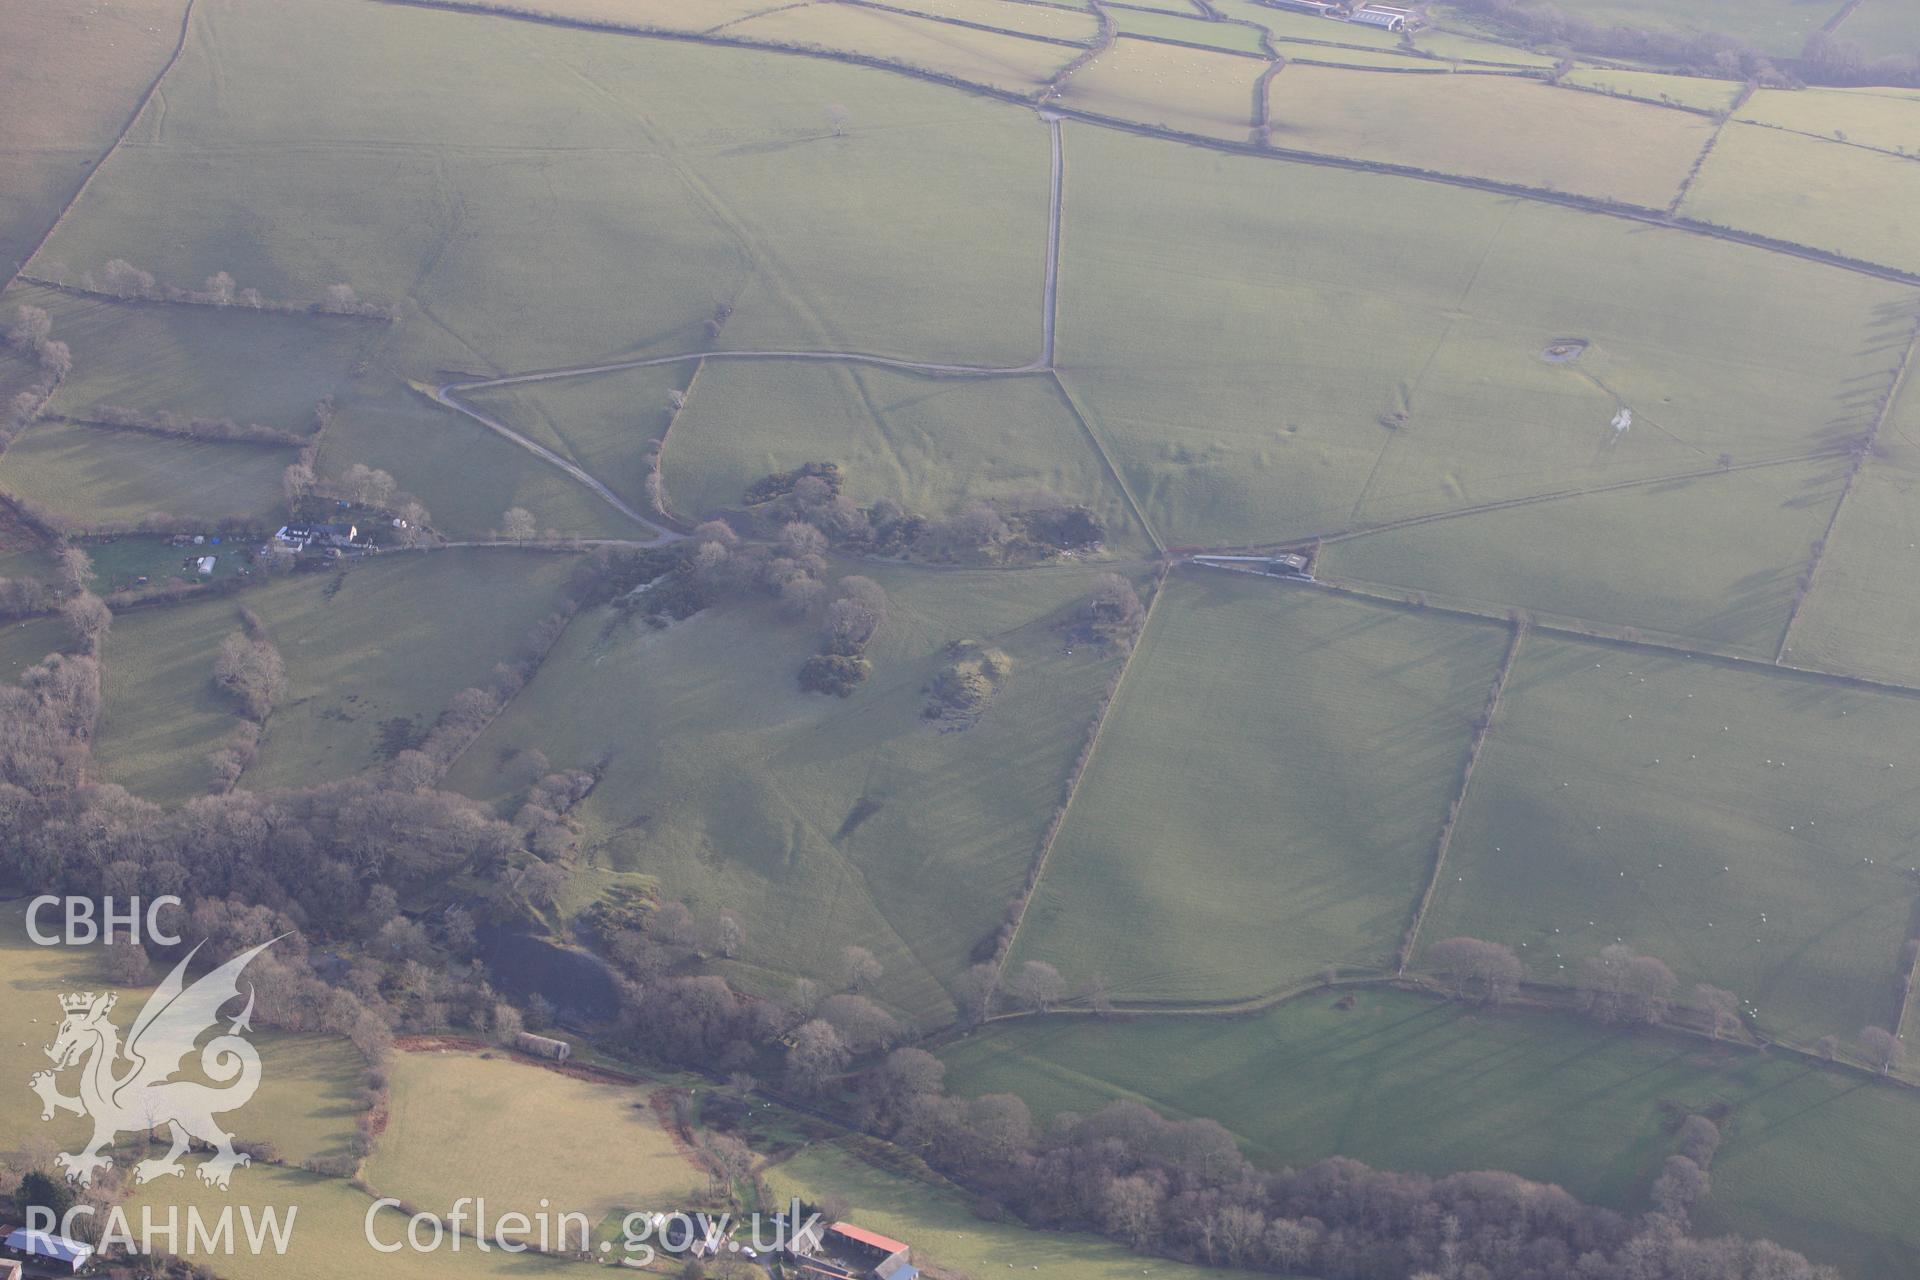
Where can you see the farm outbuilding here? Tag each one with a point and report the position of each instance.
(1320, 8)
(543, 1046)
(1376, 16)
(44, 1247)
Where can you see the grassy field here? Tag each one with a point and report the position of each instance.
(330, 1232)
(467, 475)
(930, 444)
(1230, 36)
(1345, 56)
(1308, 350)
(59, 123)
(436, 186)
(1465, 48)
(1750, 830)
(938, 1221)
(98, 475)
(656, 15)
(1199, 91)
(1810, 1157)
(24, 644)
(1840, 198)
(1859, 613)
(197, 361)
(1265, 794)
(821, 822)
(513, 1131)
(306, 1103)
(393, 640)
(1714, 560)
(1654, 86)
(1883, 118)
(965, 53)
(1489, 126)
(606, 422)
(1060, 22)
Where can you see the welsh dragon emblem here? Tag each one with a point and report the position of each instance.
(128, 1088)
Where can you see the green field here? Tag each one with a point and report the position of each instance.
(1059, 22)
(1713, 560)
(604, 422)
(1455, 45)
(25, 643)
(103, 476)
(1653, 86)
(489, 208)
(938, 1221)
(1843, 199)
(513, 1131)
(1197, 91)
(1883, 118)
(1343, 56)
(1858, 615)
(466, 475)
(1231, 36)
(1752, 830)
(931, 444)
(821, 822)
(1489, 126)
(1265, 795)
(1810, 1157)
(59, 124)
(967, 54)
(206, 362)
(330, 1232)
(1309, 350)
(391, 640)
(306, 1103)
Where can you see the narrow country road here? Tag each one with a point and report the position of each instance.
(446, 394)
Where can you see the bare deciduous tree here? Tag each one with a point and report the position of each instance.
(1882, 1048)
(818, 1053)
(859, 967)
(518, 525)
(1037, 985)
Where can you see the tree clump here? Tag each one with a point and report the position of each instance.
(960, 693)
(1014, 530)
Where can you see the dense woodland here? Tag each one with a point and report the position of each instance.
(1826, 59)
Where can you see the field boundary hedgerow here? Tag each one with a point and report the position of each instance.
(1075, 777)
(1862, 454)
(1482, 727)
(1721, 120)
